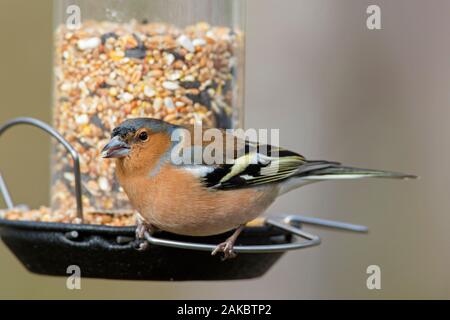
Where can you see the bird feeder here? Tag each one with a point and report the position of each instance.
(110, 252)
(181, 61)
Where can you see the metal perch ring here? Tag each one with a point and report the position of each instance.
(76, 159)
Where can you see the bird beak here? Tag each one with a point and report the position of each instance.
(116, 148)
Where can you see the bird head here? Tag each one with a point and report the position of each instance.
(139, 140)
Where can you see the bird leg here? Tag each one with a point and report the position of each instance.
(143, 227)
(227, 246)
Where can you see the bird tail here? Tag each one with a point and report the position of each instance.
(337, 171)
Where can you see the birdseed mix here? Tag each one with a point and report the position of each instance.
(45, 214)
(107, 72)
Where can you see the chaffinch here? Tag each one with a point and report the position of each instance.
(203, 198)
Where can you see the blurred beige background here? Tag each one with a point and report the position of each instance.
(338, 91)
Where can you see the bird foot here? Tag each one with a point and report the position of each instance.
(228, 246)
(227, 249)
(141, 229)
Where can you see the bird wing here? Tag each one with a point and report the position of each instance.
(255, 168)
(248, 164)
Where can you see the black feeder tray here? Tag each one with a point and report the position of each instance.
(111, 252)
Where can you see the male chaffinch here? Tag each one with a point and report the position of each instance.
(201, 199)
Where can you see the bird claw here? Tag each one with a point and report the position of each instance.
(227, 249)
(141, 229)
(142, 245)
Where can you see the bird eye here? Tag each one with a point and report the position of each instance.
(143, 136)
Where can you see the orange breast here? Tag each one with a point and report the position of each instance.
(175, 201)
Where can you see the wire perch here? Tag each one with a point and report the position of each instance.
(75, 156)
